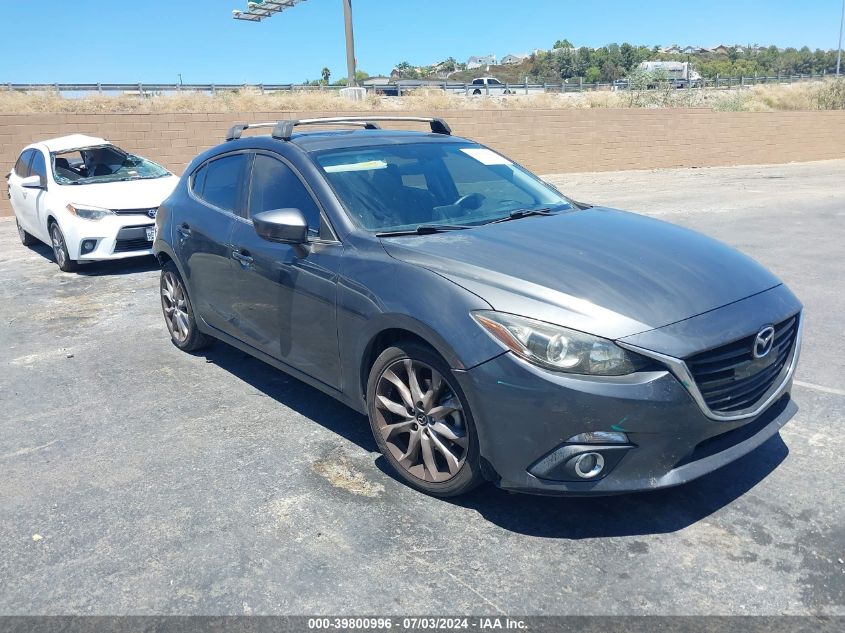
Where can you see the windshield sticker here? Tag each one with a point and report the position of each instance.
(365, 166)
(486, 156)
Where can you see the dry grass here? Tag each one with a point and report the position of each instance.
(826, 95)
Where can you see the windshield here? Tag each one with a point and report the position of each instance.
(105, 163)
(399, 187)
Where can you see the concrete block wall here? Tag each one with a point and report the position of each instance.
(545, 141)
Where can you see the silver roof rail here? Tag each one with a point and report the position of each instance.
(283, 130)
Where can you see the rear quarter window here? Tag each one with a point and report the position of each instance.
(22, 166)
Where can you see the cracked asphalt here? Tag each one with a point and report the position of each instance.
(136, 479)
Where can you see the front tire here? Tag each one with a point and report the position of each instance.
(179, 313)
(421, 421)
(26, 238)
(62, 257)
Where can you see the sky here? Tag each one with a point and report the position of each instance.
(153, 41)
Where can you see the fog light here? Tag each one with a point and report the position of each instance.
(88, 245)
(599, 437)
(589, 465)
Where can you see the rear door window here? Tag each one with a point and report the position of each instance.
(22, 166)
(223, 182)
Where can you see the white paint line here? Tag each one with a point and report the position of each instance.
(27, 451)
(809, 385)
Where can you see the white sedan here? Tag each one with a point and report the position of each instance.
(87, 198)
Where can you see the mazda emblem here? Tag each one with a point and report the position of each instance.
(764, 342)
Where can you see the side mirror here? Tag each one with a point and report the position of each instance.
(286, 226)
(33, 182)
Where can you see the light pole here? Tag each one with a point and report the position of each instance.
(839, 54)
(350, 42)
(258, 11)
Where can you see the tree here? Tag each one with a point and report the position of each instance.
(360, 77)
(327, 74)
(563, 44)
(592, 75)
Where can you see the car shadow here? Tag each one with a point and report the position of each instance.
(128, 266)
(294, 394)
(131, 266)
(655, 512)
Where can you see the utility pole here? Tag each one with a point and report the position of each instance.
(350, 42)
(841, 27)
(258, 11)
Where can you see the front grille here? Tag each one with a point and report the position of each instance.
(724, 441)
(729, 377)
(126, 246)
(144, 212)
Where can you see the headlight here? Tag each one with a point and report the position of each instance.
(87, 212)
(557, 347)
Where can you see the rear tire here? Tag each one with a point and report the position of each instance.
(179, 312)
(421, 421)
(62, 257)
(26, 238)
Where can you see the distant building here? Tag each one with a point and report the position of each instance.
(693, 50)
(377, 81)
(477, 62)
(722, 49)
(517, 58)
(672, 48)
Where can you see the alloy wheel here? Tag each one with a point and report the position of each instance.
(58, 245)
(175, 305)
(421, 420)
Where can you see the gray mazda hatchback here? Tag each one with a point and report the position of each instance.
(489, 327)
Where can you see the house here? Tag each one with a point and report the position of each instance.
(693, 50)
(477, 62)
(518, 58)
(723, 49)
(672, 48)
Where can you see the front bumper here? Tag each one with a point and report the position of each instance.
(525, 413)
(119, 243)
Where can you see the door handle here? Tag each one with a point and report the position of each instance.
(243, 257)
(184, 230)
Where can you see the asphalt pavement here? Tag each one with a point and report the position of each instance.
(136, 479)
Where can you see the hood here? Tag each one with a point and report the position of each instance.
(132, 194)
(601, 271)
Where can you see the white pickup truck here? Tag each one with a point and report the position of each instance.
(489, 86)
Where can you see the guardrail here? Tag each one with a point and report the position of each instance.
(398, 88)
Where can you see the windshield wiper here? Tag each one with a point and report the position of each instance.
(522, 213)
(425, 229)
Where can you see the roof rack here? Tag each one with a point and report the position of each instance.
(283, 130)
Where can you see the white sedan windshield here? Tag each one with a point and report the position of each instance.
(105, 163)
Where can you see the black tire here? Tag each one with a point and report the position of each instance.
(476, 92)
(26, 238)
(459, 424)
(60, 254)
(178, 311)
